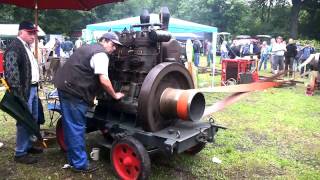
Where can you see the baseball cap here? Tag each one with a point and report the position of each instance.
(28, 26)
(112, 37)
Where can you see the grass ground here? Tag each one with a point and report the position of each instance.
(272, 134)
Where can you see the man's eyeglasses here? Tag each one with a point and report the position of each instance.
(114, 44)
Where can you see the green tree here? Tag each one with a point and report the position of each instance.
(64, 21)
(312, 6)
(275, 17)
(232, 16)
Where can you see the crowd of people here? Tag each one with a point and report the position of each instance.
(281, 55)
(58, 49)
(285, 56)
(202, 48)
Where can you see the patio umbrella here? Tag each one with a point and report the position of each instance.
(37, 5)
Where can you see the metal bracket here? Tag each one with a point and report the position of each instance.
(117, 133)
(202, 137)
(212, 123)
(169, 145)
(178, 134)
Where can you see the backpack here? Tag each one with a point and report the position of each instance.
(67, 46)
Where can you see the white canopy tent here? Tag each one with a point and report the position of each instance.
(185, 36)
(11, 30)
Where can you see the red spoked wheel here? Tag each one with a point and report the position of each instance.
(60, 135)
(130, 159)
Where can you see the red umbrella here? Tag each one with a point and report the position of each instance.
(84, 5)
(59, 4)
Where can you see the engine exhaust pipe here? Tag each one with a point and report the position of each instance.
(164, 17)
(184, 104)
(145, 17)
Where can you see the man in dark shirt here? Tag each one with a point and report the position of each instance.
(77, 82)
(196, 50)
(290, 54)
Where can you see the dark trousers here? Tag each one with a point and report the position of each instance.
(277, 62)
(289, 64)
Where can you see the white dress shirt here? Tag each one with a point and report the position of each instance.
(35, 75)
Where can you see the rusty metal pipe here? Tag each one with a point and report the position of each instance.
(182, 104)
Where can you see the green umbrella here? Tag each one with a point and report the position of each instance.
(18, 109)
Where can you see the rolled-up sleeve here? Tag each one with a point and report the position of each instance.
(100, 63)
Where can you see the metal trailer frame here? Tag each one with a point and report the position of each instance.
(174, 139)
(123, 135)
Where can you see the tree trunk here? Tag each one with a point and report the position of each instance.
(296, 6)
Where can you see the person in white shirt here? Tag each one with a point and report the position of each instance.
(78, 43)
(278, 50)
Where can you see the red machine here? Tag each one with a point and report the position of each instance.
(314, 83)
(238, 71)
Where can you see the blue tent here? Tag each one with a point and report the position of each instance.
(175, 25)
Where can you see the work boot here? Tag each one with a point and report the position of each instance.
(89, 169)
(35, 150)
(25, 159)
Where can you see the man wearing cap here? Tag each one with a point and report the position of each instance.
(22, 76)
(78, 82)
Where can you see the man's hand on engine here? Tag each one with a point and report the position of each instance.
(118, 95)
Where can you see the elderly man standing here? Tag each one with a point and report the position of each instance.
(22, 75)
(78, 81)
(278, 50)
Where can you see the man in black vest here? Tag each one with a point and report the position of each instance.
(22, 75)
(77, 82)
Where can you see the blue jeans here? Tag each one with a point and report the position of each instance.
(74, 126)
(23, 141)
(263, 60)
(224, 55)
(196, 59)
(209, 59)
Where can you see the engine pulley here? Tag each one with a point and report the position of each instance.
(164, 75)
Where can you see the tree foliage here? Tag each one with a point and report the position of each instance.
(276, 17)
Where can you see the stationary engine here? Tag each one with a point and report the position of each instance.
(149, 71)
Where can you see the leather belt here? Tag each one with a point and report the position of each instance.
(34, 84)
